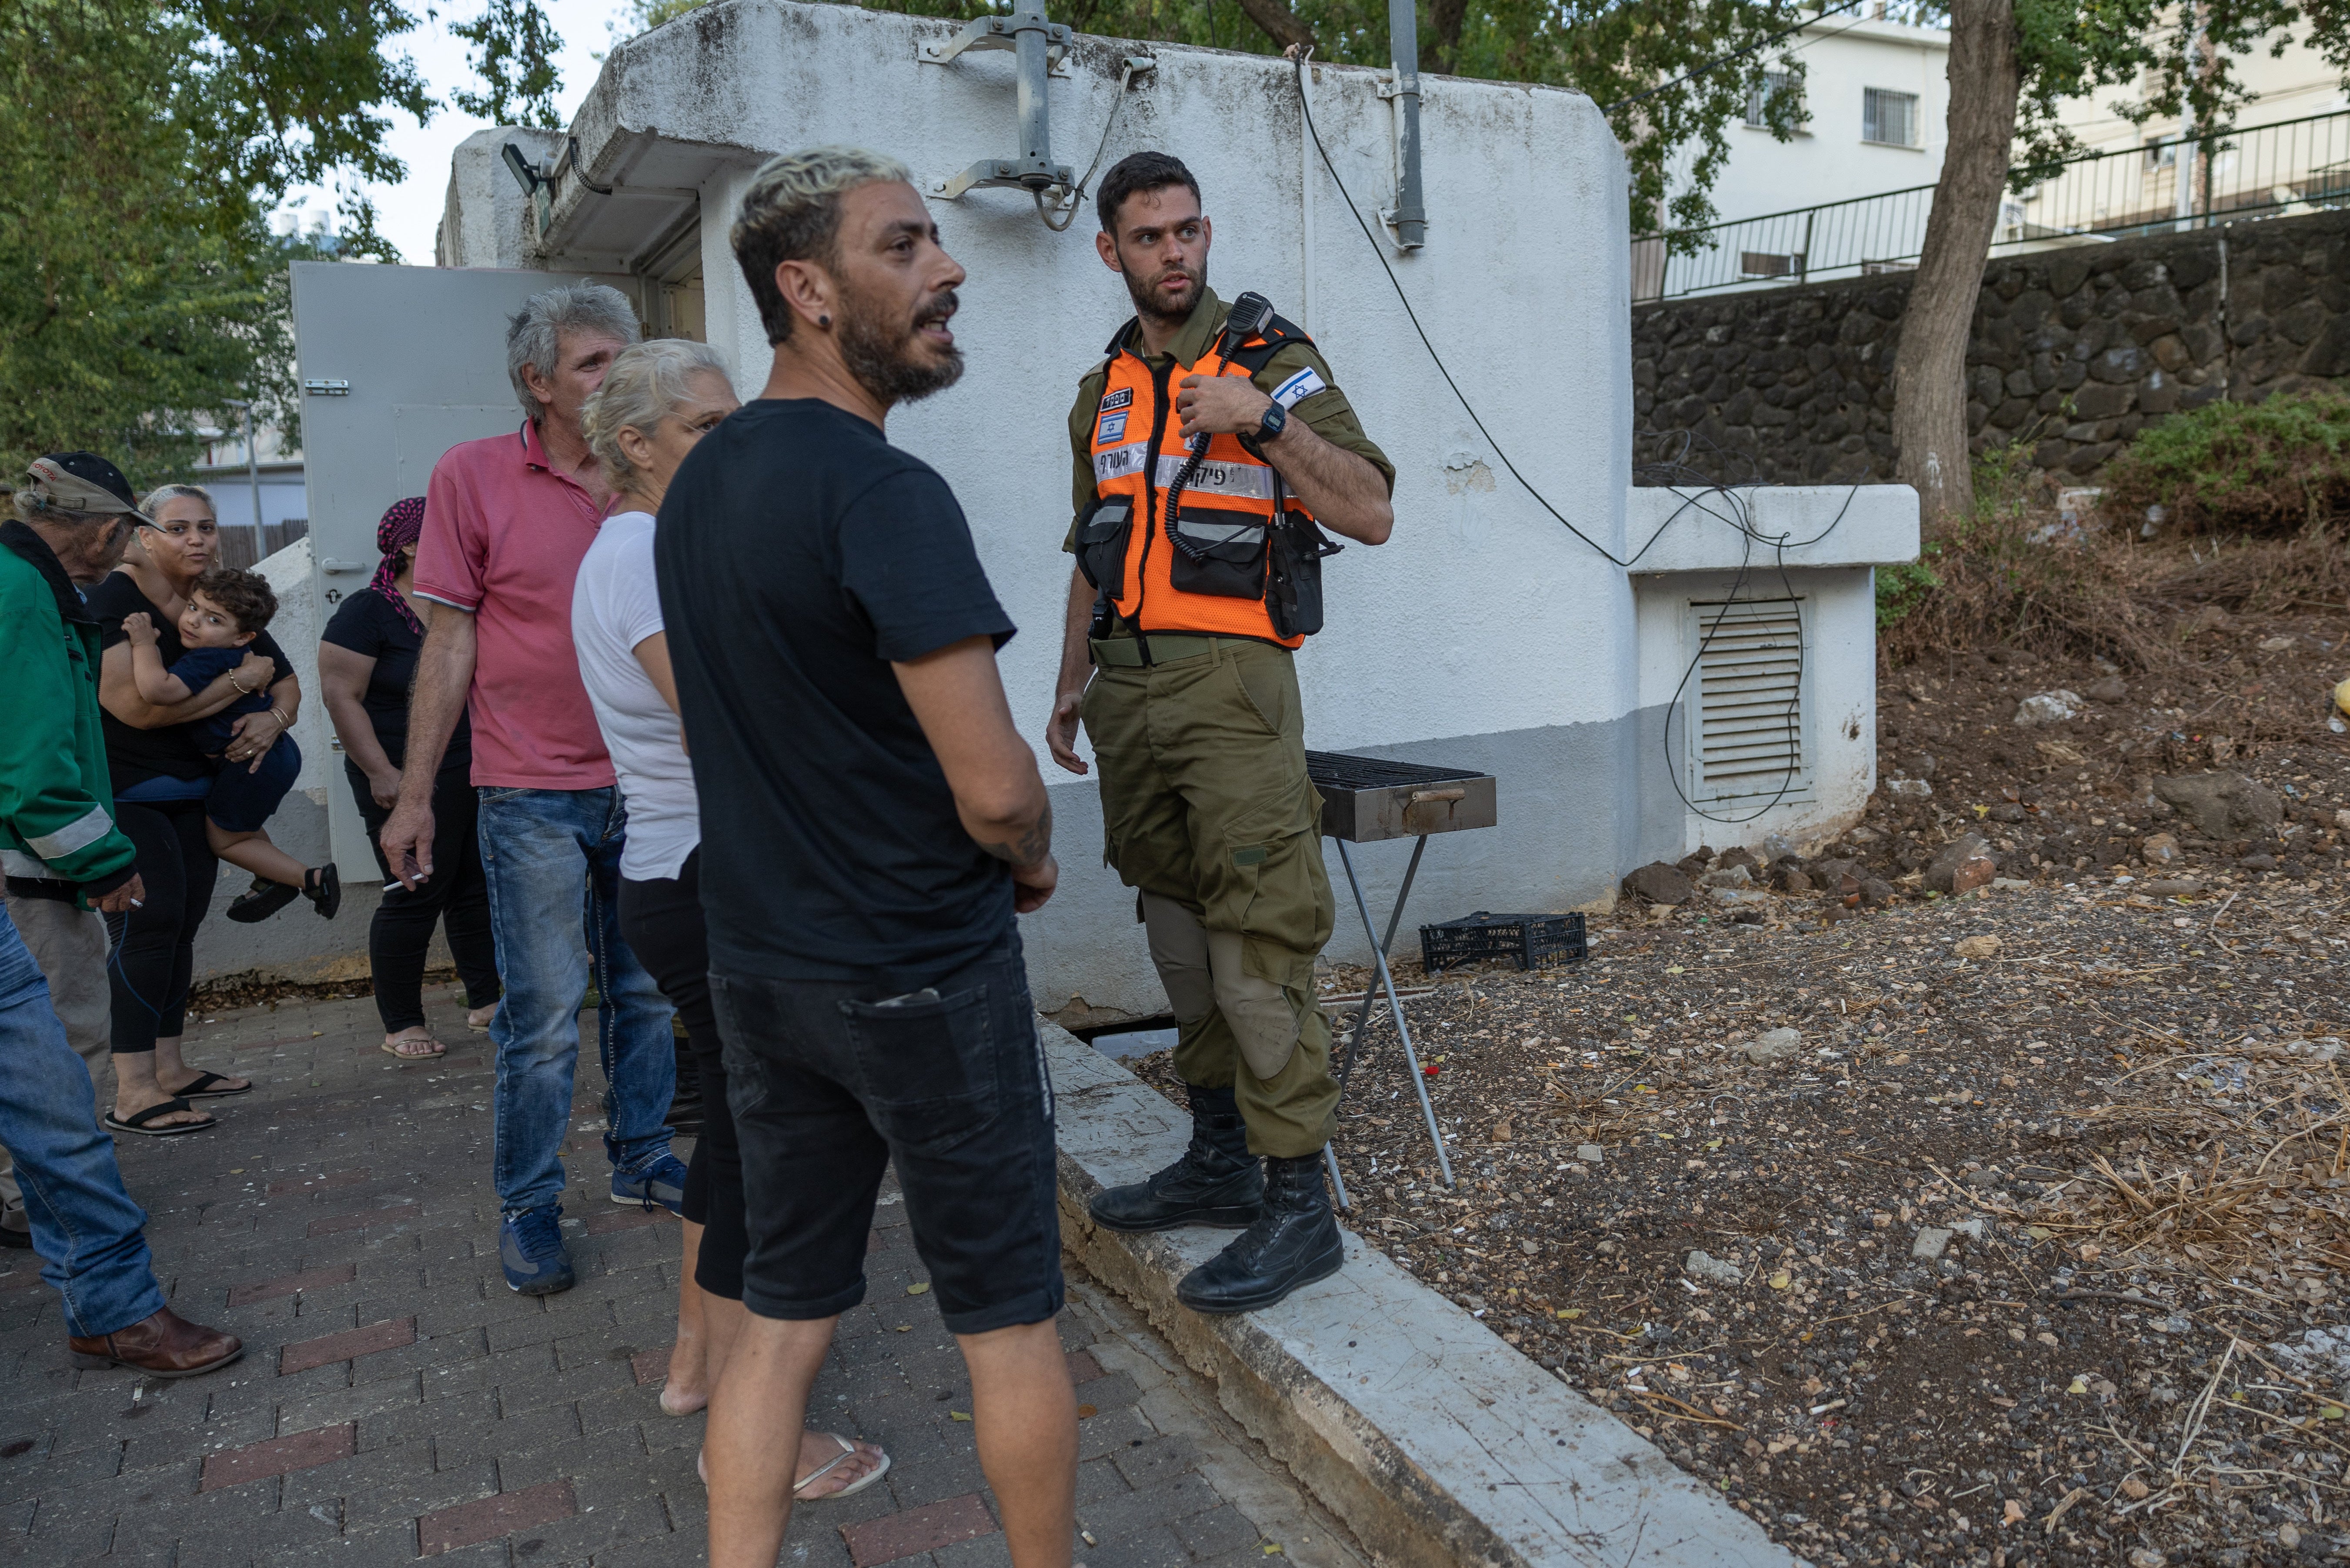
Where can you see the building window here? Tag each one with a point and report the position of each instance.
(1888, 117)
(2161, 154)
(1758, 98)
(1770, 264)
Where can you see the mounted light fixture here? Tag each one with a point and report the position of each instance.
(536, 188)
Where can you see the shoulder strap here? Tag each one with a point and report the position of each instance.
(1279, 333)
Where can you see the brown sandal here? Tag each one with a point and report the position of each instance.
(391, 1048)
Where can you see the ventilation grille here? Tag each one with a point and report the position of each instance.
(1749, 711)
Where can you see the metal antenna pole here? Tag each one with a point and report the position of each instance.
(1403, 41)
(251, 469)
(1031, 35)
(1395, 1006)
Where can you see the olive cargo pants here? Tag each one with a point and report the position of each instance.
(1209, 815)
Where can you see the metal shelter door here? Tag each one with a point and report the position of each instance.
(398, 365)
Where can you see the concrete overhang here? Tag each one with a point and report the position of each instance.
(1820, 524)
(650, 180)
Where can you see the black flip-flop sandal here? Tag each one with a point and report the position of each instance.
(327, 893)
(201, 1088)
(261, 900)
(136, 1121)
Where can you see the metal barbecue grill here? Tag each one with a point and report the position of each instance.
(1367, 800)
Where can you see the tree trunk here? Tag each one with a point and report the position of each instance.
(1441, 49)
(1278, 22)
(1929, 367)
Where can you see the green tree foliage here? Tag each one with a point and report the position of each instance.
(2261, 467)
(146, 146)
(514, 50)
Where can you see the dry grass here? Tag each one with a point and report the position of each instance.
(2229, 1170)
(2148, 606)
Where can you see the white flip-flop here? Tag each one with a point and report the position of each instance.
(847, 1450)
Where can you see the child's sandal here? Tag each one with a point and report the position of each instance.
(325, 889)
(260, 902)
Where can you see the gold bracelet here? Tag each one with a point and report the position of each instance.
(284, 722)
(242, 689)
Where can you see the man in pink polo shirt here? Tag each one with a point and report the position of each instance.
(506, 521)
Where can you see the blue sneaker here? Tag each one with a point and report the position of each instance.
(530, 1247)
(661, 1179)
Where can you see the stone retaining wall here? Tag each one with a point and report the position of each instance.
(2074, 349)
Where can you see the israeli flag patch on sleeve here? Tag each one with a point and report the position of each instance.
(1299, 388)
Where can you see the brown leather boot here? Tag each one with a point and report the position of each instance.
(164, 1345)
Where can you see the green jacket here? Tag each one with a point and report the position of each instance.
(56, 805)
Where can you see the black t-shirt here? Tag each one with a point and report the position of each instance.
(134, 755)
(799, 552)
(367, 623)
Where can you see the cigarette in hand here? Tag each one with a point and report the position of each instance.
(138, 903)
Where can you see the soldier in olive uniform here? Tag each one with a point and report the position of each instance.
(1212, 446)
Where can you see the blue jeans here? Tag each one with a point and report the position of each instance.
(90, 1236)
(544, 852)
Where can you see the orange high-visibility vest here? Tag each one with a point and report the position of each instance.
(1203, 563)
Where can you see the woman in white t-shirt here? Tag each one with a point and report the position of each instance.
(658, 400)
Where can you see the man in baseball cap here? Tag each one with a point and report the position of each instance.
(63, 854)
(68, 484)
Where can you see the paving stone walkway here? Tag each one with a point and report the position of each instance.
(397, 1401)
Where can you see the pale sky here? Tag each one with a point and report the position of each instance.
(410, 212)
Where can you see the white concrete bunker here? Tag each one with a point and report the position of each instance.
(1485, 635)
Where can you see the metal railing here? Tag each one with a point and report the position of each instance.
(2268, 171)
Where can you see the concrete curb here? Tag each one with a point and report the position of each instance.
(1434, 1441)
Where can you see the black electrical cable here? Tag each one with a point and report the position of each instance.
(1739, 519)
(1306, 111)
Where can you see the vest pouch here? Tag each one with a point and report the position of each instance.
(1294, 599)
(1219, 551)
(1103, 530)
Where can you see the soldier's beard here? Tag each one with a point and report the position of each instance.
(1148, 301)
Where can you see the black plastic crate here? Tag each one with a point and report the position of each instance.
(1535, 942)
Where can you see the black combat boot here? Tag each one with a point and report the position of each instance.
(1296, 1242)
(1216, 1182)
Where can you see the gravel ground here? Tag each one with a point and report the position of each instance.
(2026, 1247)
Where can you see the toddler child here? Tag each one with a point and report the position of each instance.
(227, 608)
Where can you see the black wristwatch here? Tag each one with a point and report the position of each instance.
(1275, 420)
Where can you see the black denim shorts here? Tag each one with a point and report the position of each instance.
(832, 1082)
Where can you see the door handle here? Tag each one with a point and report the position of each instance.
(331, 564)
(1424, 796)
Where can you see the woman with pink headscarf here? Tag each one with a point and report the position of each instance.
(366, 663)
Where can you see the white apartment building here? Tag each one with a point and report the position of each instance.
(1875, 101)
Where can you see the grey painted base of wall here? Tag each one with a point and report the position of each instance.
(1579, 805)
(295, 944)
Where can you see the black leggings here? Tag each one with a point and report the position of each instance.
(661, 919)
(155, 944)
(457, 894)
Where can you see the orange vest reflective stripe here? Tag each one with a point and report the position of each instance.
(1205, 571)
